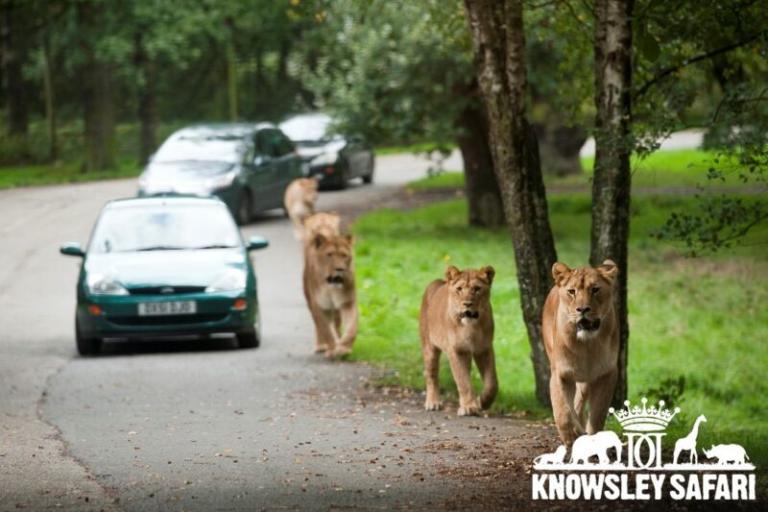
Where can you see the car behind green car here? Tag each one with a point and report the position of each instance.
(165, 266)
(248, 166)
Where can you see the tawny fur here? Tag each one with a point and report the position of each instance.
(324, 223)
(329, 288)
(457, 318)
(299, 201)
(583, 358)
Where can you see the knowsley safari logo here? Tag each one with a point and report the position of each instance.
(601, 466)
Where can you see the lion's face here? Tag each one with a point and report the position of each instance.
(470, 292)
(586, 294)
(334, 258)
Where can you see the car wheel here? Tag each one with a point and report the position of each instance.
(368, 178)
(86, 346)
(343, 177)
(248, 339)
(244, 208)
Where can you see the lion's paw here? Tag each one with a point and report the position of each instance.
(432, 405)
(338, 353)
(470, 409)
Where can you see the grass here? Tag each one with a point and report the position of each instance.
(702, 321)
(68, 169)
(685, 168)
(29, 175)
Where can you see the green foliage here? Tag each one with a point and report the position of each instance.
(696, 320)
(394, 71)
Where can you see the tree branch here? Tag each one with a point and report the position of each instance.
(687, 62)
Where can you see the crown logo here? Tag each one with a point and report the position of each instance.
(635, 419)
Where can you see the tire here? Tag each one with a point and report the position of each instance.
(368, 178)
(343, 179)
(86, 346)
(248, 339)
(244, 208)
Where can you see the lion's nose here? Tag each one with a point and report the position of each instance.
(583, 309)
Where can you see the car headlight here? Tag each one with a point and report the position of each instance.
(327, 158)
(104, 285)
(230, 280)
(220, 181)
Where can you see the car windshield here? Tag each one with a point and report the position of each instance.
(307, 129)
(164, 227)
(212, 148)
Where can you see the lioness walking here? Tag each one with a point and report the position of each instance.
(581, 336)
(299, 202)
(456, 318)
(329, 287)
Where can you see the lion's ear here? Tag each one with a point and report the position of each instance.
(318, 241)
(560, 272)
(608, 270)
(451, 273)
(350, 239)
(487, 273)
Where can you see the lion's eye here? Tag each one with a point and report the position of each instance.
(571, 292)
(595, 289)
(458, 288)
(475, 289)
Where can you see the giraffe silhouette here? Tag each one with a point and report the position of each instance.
(688, 443)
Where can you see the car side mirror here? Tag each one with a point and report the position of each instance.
(257, 242)
(260, 160)
(72, 249)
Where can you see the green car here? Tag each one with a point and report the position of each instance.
(248, 166)
(165, 266)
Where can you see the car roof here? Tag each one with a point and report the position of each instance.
(220, 130)
(307, 115)
(165, 200)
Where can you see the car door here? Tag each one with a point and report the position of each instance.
(263, 172)
(287, 163)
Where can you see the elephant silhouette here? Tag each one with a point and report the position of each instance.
(597, 444)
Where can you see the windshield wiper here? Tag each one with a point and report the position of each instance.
(215, 246)
(161, 248)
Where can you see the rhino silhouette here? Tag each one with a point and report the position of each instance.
(727, 454)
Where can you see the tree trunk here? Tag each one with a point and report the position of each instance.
(13, 52)
(97, 99)
(99, 118)
(147, 107)
(50, 111)
(612, 178)
(499, 45)
(560, 146)
(232, 81)
(480, 184)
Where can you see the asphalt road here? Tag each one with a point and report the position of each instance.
(202, 425)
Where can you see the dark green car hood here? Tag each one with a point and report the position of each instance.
(172, 268)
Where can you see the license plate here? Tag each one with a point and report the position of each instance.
(187, 307)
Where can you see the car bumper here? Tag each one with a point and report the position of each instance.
(118, 316)
(326, 173)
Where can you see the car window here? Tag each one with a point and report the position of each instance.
(285, 146)
(273, 143)
(210, 148)
(164, 226)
